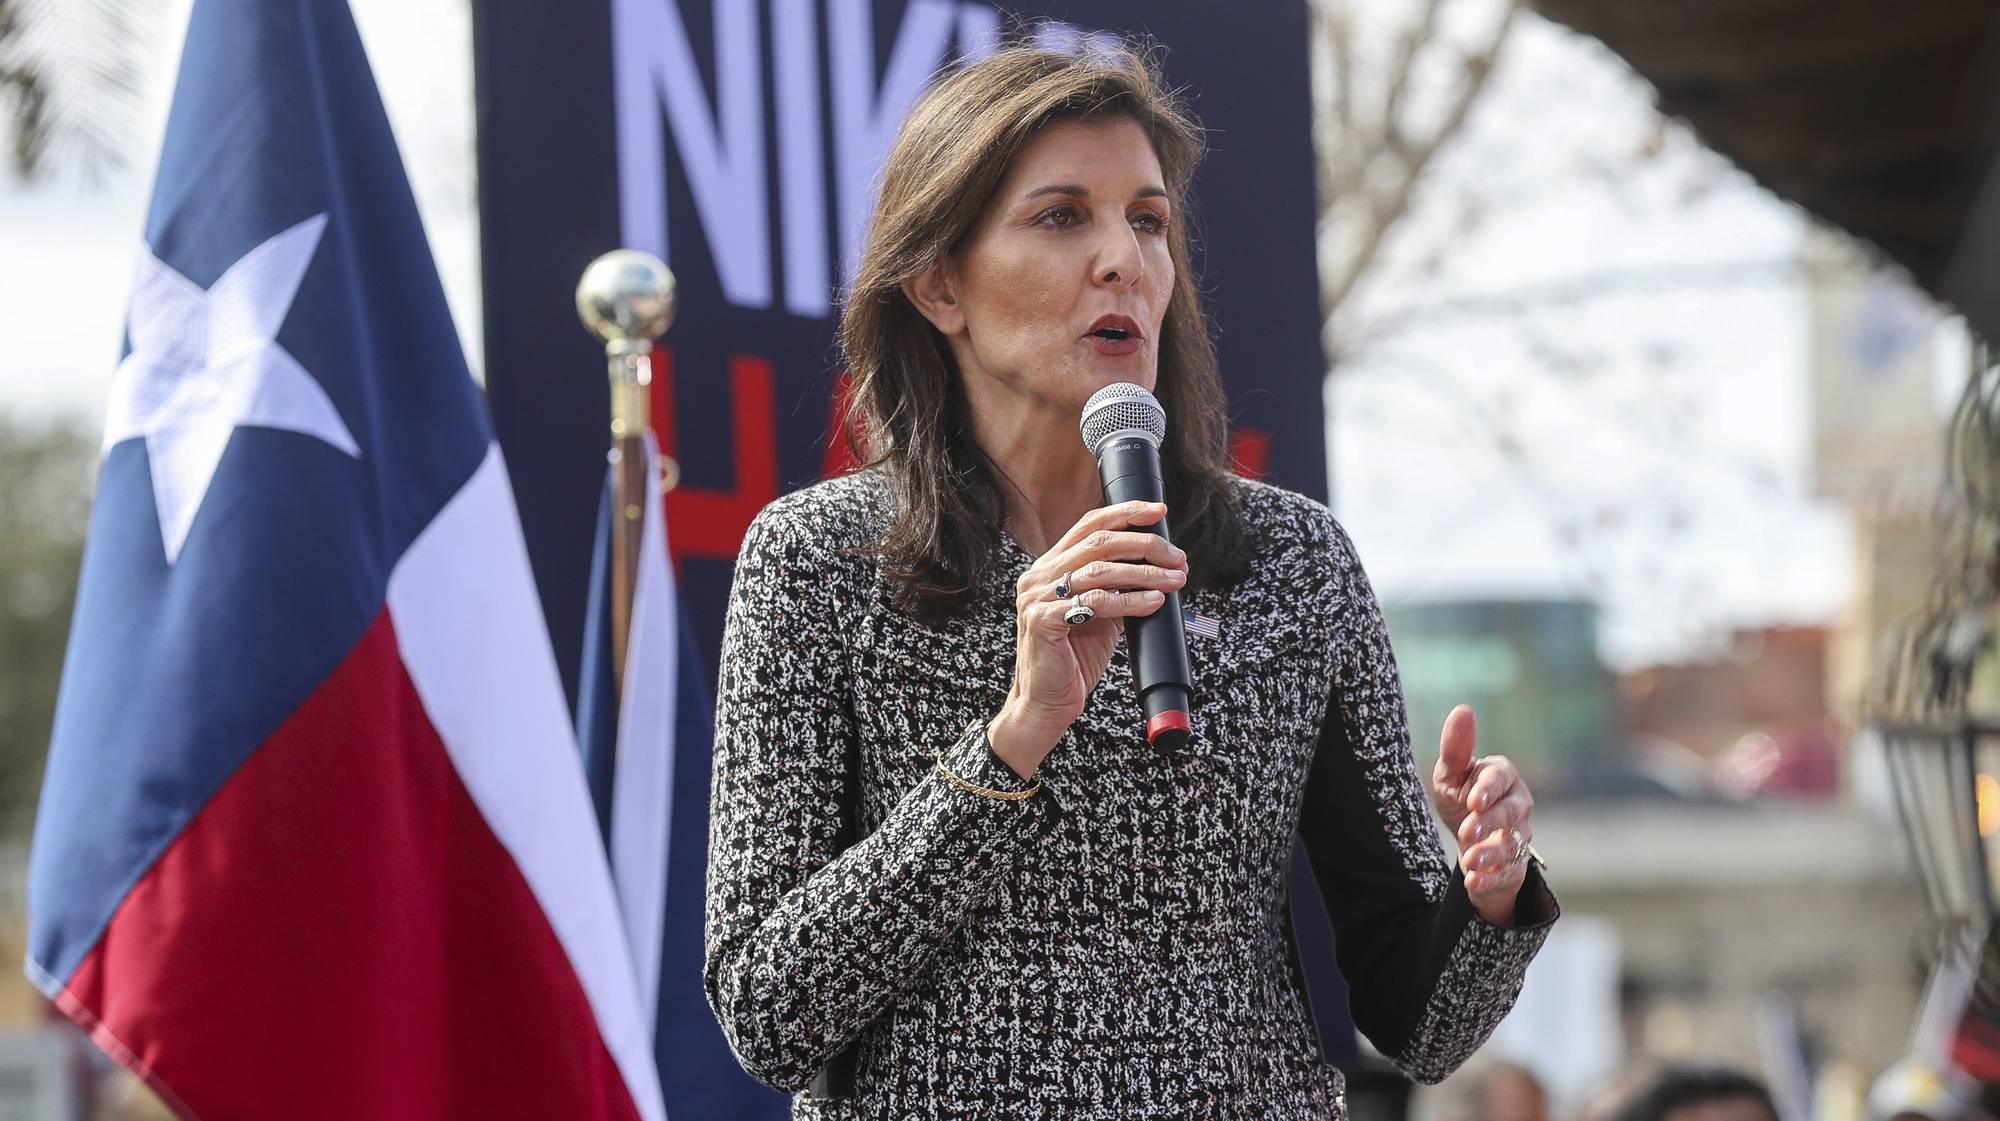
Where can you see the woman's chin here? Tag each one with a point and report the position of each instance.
(1102, 372)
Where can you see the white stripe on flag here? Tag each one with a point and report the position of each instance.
(470, 628)
(642, 791)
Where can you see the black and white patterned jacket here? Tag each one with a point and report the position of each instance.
(1115, 946)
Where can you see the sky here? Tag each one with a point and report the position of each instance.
(1599, 389)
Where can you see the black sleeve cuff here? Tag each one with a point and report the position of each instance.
(1536, 906)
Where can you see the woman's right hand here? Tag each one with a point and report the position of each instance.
(1117, 571)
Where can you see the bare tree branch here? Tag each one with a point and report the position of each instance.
(1372, 171)
(69, 83)
(1333, 46)
(1402, 66)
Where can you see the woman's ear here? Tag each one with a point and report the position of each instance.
(934, 296)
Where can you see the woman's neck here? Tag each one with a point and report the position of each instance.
(1046, 474)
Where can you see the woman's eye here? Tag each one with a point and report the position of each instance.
(1150, 222)
(1058, 216)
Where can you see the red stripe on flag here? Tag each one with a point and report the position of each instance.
(338, 934)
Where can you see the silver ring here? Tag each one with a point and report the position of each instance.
(1079, 613)
(1062, 586)
(1521, 848)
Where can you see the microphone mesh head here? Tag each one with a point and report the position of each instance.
(1122, 407)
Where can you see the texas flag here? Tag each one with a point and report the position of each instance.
(314, 840)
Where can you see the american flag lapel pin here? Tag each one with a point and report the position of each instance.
(1201, 626)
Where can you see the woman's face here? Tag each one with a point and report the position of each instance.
(1061, 287)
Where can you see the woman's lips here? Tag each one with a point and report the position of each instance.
(1114, 335)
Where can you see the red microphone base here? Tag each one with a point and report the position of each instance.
(1170, 730)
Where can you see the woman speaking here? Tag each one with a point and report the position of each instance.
(1044, 915)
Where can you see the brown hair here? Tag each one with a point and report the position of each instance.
(908, 413)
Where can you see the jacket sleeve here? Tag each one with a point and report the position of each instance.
(1428, 978)
(806, 943)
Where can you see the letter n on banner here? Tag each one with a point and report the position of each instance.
(706, 522)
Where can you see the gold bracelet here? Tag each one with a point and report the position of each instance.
(986, 791)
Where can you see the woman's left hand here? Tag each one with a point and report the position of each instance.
(1486, 804)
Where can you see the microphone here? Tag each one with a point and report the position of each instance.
(1123, 426)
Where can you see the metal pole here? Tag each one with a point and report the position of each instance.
(1896, 751)
(1983, 891)
(626, 298)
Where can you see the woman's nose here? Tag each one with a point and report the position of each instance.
(1118, 260)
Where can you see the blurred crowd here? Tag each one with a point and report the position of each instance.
(1913, 1089)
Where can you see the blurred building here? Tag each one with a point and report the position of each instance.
(1756, 720)
(1878, 443)
(1528, 668)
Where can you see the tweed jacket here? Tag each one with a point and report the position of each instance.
(1116, 946)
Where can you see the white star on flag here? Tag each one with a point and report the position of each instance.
(206, 363)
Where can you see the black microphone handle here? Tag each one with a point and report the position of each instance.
(1130, 469)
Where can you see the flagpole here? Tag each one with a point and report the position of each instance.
(626, 298)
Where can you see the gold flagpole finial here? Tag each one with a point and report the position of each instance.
(626, 298)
